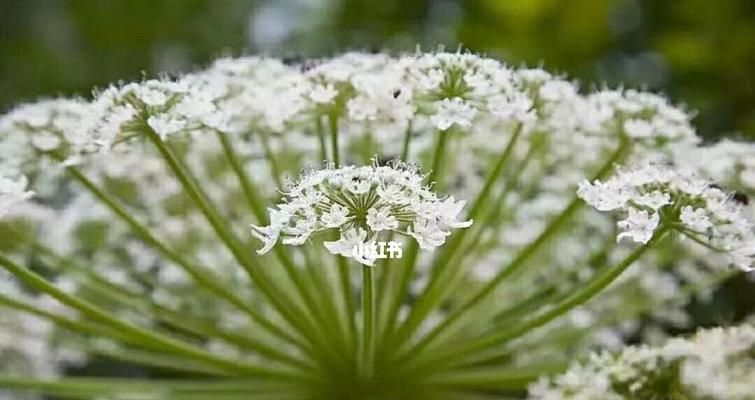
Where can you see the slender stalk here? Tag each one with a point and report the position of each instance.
(316, 308)
(169, 344)
(495, 378)
(591, 288)
(201, 276)
(439, 279)
(407, 140)
(435, 293)
(247, 187)
(368, 322)
(321, 139)
(271, 159)
(344, 275)
(437, 163)
(333, 121)
(282, 304)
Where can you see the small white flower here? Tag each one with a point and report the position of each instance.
(350, 240)
(453, 111)
(696, 219)
(165, 124)
(639, 226)
(381, 219)
(655, 199)
(427, 233)
(337, 216)
(323, 94)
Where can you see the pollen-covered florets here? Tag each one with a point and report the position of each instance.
(656, 195)
(361, 202)
(714, 364)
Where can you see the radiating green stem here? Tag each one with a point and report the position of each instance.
(435, 293)
(305, 291)
(170, 344)
(333, 122)
(271, 158)
(590, 289)
(437, 162)
(247, 187)
(321, 139)
(439, 279)
(407, 140)
(200, 275)
(495, 378)
(288, 309)
(368, 322)
(344, 275)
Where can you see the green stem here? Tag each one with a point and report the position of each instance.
(306, 293)
(247, 187)
(397, 291)
(285, 307)
(439, 279)
(407, 140)
(496, 378)
(344, 275)
(169, 344)
(434, 293)
(368, 322)
(200, 275)
(271, 159)
(321, 138)
(591, 288)
(333, 121)
(437, 162)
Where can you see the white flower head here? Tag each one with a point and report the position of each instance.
(361, 202)
(657, 195)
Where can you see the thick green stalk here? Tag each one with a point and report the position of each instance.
(435, 293)
(591, 288)
(397, 291)
(321, 139)
(309, 298)
(407, 141)
(292, 313)
(203, 277)
(333, 121)
(437, 162)
(344, 275)
(368, 322)
(495, 378)
(169, 344)
(439, 279)
(271, 159)
(247, 187)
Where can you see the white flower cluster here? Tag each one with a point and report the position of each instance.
(715, 364)
(12, 192)
(361, 202)
(657, 195)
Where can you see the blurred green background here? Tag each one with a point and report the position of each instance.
(699, 52)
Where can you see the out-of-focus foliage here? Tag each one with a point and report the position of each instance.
(700, 51)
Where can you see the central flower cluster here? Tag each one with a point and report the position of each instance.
(361, 202)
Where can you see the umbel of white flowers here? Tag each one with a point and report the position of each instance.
(716, 364)
(656, 195)
(361, 202)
